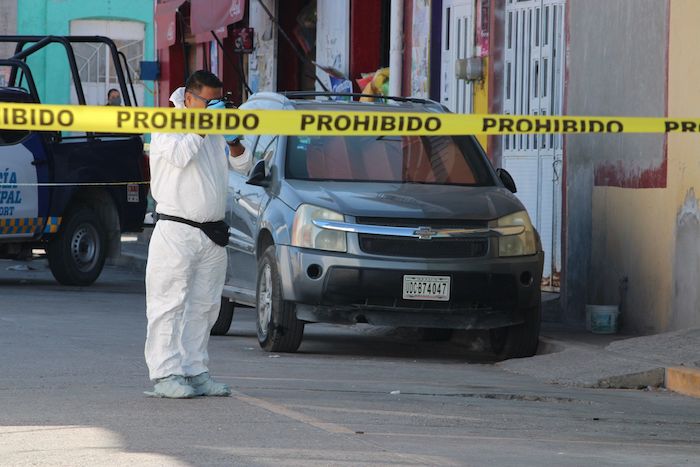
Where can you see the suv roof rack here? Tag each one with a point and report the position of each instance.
(308, 94)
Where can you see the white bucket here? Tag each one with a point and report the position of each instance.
(602, 319)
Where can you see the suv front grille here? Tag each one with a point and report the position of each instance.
(415, 248)
(434, 223)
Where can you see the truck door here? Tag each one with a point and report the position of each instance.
(23, 165)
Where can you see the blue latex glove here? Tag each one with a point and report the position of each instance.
(218, 105)
(232, 138)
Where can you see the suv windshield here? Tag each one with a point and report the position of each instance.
(439, 160)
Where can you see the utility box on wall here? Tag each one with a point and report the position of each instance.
(150, 71)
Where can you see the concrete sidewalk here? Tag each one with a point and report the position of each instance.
(570, 356)
(579, 358)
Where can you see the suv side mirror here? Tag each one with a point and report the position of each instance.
(507, 180)
(258, 177)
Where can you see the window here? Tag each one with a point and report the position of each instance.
(95, 64)
(8, 136)
(96, 67)
(12, 136)
(265, 148)
(441, 160)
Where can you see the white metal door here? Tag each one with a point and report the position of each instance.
(457, 43)
(95, 64)
(533, 84)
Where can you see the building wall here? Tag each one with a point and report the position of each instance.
(419, 43)
(616, 66)
(332, 38)
(8, 26)
(39, 17)
(262, 64)
(368, 53)
(682, 219)
(481, 89)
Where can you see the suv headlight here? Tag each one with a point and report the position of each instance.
(521, 244)
(306, 235)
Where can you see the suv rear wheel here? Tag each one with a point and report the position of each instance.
(77, 253)
(279, 330)
(223, 322)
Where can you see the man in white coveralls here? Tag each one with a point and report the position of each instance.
(186, 265)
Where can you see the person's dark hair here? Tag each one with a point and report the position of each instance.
(201, 78)
(109, 93)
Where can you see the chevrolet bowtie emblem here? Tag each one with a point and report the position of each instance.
(424, 233)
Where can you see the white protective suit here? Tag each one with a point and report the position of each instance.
(185, 272)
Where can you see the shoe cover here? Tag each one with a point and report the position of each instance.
(205, 386)
(172, 387)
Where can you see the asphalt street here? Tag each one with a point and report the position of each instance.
(73, 376)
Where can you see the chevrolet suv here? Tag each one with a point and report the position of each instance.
(402, 231)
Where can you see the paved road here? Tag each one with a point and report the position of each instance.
(72, 377)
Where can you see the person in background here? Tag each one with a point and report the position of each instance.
(114, 97)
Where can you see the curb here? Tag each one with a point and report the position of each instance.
(683, 380)
(653, 377)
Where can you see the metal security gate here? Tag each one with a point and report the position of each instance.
(457, 44)
(533, 84)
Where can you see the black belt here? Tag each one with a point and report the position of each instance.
(216, 231)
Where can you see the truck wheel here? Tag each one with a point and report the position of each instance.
(77, 252)
(519, 341)
(223, 322)
(279, 330)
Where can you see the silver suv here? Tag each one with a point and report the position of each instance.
(393, 231)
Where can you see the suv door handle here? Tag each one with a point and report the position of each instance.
(237, 195)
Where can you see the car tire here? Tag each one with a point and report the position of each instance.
(223, 322)
(77, 252)
(519, 341)
(278, 328)
(436, 334)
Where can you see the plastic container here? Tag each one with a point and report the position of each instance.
(602, 319)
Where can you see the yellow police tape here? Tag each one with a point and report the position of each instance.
(106, 119)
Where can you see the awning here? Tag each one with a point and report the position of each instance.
(214, 15)
(166, 22)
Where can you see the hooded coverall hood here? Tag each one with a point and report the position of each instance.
(178, 98)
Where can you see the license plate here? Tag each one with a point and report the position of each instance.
(436, 288)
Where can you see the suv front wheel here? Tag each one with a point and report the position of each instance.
(77, 253)
(279, 330)
(522, 340)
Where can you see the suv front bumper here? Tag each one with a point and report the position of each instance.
(343, 288)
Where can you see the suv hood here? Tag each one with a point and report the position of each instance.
(407, 201)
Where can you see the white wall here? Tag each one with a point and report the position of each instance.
(332, 37)
(262, 64)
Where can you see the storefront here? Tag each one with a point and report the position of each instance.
(200, 34)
